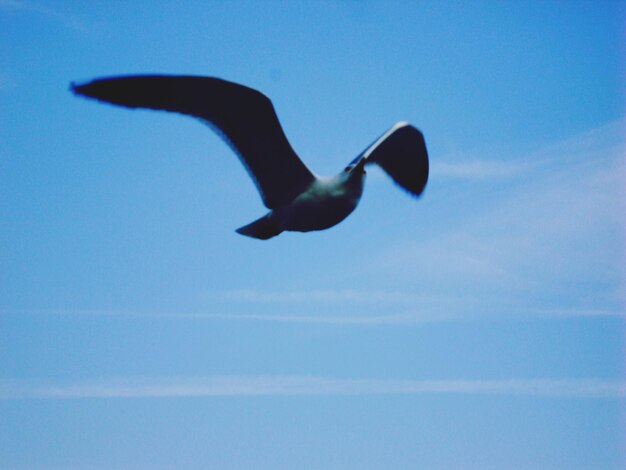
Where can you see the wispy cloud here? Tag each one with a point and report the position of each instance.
(576, 312)
(556, 230)
(478, 169)
(69, 20)
(390, 318)
(593, 145)
(435, 313)
(384, 319)
(317, 295)
(305, 385)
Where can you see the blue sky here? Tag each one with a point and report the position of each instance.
(480, 326)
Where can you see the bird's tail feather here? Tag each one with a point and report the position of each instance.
(262, 228)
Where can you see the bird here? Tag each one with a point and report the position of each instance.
(298, 199)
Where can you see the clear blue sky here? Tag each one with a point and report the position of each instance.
(478, 327)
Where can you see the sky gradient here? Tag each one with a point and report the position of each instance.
(480, 326)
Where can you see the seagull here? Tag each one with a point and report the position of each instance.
(297, 199)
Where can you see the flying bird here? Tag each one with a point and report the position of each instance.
(298, 199)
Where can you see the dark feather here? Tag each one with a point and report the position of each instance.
(245, 117)
(402, 153)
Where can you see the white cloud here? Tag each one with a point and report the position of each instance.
(305, 385)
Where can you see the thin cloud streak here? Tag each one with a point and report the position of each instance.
(234, 386)
(478, 169)
(317, 295)
(397, 318)
(428, 315)
(390, 319)
(373, 319)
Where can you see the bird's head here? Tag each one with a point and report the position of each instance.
(353, 176)
(355, 167)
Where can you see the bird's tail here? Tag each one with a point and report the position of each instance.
(262, 228)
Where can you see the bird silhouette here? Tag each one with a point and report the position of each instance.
(298, 199)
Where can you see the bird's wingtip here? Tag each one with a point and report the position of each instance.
(76, 87)
(402, 124)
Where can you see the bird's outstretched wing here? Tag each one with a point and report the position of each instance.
(401, 152)
(244, 117)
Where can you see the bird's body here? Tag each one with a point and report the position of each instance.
(325, 203)
(298, 199)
